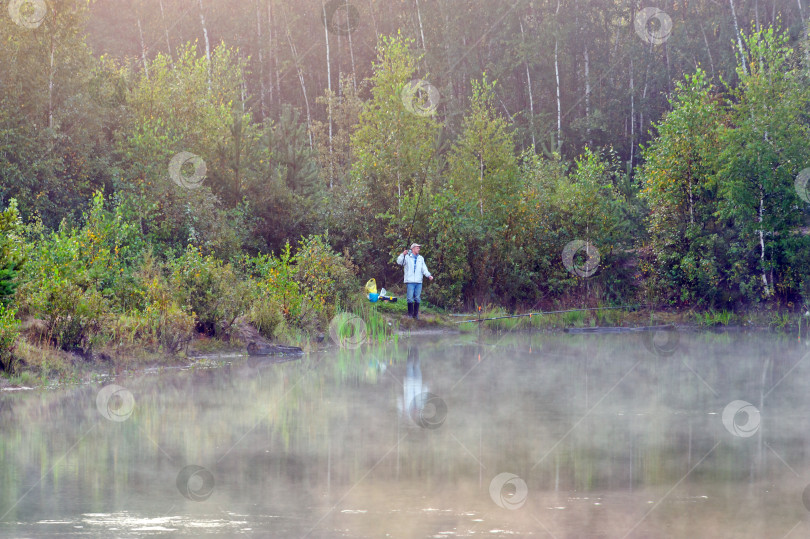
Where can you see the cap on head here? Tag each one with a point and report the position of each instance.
(415, 245)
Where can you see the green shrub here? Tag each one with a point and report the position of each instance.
(11, 257)
(210, 289)
(266, 315)
(276, 287)
(169, 325)
(9, 330)
(59, 287)
(156, 321)
(73, 315)
(158, 330)
(325, 276)
(301, 290)
(449, 227)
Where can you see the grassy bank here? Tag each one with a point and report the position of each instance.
(40, 363)
(787, 322)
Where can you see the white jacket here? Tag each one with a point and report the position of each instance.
(413, 272)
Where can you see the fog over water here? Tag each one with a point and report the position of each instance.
(545, 435)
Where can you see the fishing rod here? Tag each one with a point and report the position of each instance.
(416, 210)
(419, 198)
(548, 312)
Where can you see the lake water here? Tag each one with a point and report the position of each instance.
(544, 435)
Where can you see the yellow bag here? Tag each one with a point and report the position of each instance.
(371, 286)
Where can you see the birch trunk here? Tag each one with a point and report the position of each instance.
(271, 36)
(691, 198)
(242, 89)
(708, 49)
(464, 78)
(448, 55)
(207, 45)
(421, 31)
(762, 242)
(143, 50)
(669, 76)
(237, 139)
(739, 40)
(351, 55)
(481, 180)
(506, 110)
(300, 76)
(51, 74)
(260, 46)
(165, 29)
(399, 179)
(339, 56)
(557, 76)
(644, 93)
(632, 115)
(531, 97)
(329, 102)
(374, 20)
(588, 96)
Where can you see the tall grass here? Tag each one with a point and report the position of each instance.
(779, 322)
(714, 318)
(574, 318)
(374, 329)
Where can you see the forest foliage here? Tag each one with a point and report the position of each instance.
(171, 165)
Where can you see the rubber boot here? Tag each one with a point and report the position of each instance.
(410, 309)
(416, 311)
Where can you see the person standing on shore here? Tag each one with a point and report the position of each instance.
(415, 269)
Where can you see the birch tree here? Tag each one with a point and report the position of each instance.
(677, 181)
(482, 165)
(761, 157)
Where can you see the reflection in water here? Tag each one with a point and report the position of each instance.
(597, 436)
(424, 409)
(413, 401)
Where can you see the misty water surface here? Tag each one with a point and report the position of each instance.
(599, 435)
